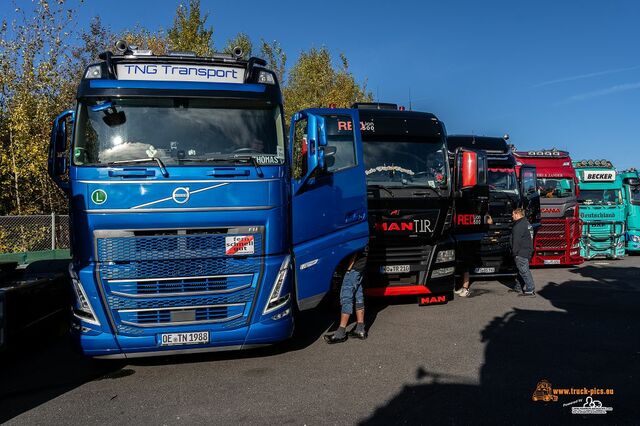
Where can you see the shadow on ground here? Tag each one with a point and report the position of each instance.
(43, 365)
(595, 342)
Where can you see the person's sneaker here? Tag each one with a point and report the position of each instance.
(458, 291)
(464, 293)
(332, 338)
(362, 335)
(528, 294)
(515, 290)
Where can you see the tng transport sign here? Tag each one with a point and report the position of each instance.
(176, 72)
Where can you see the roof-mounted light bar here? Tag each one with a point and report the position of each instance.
(544, 153)
(594, 163)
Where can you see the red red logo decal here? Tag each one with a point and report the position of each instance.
(468, 219)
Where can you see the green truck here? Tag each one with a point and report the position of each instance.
(602, 209)
(631, 195)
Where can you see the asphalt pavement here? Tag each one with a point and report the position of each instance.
(474, 360)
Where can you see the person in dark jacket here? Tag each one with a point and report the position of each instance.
(522, 250)
(350, 292)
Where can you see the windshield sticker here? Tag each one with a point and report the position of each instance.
(268, 159)
(280, 152)
(151, 151)
(390, 169)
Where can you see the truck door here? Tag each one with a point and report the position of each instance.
(328, 197)
(529, 195)
(471, 200)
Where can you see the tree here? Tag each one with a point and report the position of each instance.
(34, 86)
(142, 38)
(275, 57)
(314, 82)
(189, 32)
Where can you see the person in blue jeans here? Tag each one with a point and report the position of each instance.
(522, 249)
(351, 294)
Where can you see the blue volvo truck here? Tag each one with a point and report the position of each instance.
(195, 225)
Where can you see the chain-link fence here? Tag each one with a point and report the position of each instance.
(33, 233)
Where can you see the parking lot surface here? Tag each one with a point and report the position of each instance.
(472, 360)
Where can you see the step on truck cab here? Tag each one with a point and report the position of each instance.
(631, 193)
(492, 256)
(412, 191)
(558, 239)
(195, 225)
(602, 210)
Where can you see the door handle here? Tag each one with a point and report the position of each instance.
(131, 173)
(354, 216)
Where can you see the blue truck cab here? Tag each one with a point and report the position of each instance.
(196, 226)
(602, 209)
(631, 194)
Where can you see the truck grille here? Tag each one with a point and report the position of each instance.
(380, 253)
(176, 279)
(198, 314)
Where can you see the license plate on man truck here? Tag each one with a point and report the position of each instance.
(394, 269)
(188, 338)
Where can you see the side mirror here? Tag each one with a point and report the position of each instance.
(631, 181)
(58, 149)
(469, 170)
(329, 156)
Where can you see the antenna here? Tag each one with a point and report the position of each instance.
(410, 106)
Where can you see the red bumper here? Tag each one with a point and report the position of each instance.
(405, 290)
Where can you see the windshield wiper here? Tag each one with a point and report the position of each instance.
(230, 159)
(435, 191)
(384, 188)
(161, 165)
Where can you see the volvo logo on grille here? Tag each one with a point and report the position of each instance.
(181, 195)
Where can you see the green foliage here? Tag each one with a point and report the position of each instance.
(189, 31)
(142, 38)
(42, 61)
(275, 57)
(314, 82)
(35, 66)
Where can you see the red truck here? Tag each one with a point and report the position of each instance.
(558, 239)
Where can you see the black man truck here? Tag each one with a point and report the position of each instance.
(412, 191)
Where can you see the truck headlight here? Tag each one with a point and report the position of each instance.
(635, 238)
(276, 298)
(265, 77)
(442, 272)
(94, 71)
(446, 256)
(83, 310)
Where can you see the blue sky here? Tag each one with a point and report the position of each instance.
(562, 74)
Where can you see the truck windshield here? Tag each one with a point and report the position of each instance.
(175, 130)
(600, 196)
(556, 187)
(502, 179)
(396, 164)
